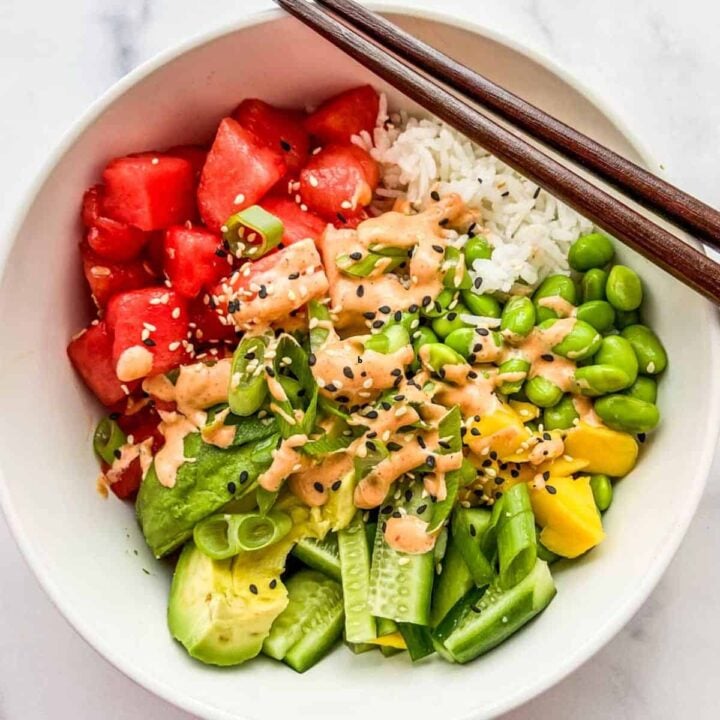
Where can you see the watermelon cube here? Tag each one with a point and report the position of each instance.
(298, 224)
(344, 115)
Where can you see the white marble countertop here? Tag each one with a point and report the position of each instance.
(656, 62)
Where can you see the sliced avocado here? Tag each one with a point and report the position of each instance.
(340, 508)
(222, 610)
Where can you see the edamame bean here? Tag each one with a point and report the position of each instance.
(590, 251)
(437, 355)
(553, 286)
(388, 340)
(624, 288)
(624, 318)
(650, 352)
(602, 491)
(615, 350)
(626, 413)
(542, 392)
(456, 276)
(421, 336)
(445, 324)
(461, 341)
(436, 308)
(483, 305)
(513, 366)
(595, 380)
(477, 248)
(593, 285)
(581, 342)
(518, 316)
(598, 313)
(562, 416)
(644, 388)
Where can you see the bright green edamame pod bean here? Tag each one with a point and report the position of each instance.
(593, 285)
(542, 392)
(513, 366)
(581, 342)
(477, 248)
(439, 306)
(644, 388)
(624, 288)
(461, 341)
(445, 324)
(562, 416)
(602, 491)
(108, 439)
(626, 413)
(598, 313)
(623, 318)
(388, 340)
(615, 350)
(595, 380)
(422, 336)
(482, 305)
(553, 286)
(650, 352)
(518, 316)
(437, 355)
(590, 251)
(248, 387)
(456, 275)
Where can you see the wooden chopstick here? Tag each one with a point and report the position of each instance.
(687, 212)
(661, 247)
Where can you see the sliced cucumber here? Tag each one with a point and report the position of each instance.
(468, 527)
(418, 639)
(318, 638)
(322, 555)
(313, 602)
(454, 582)
(401, 584)
(483, 619)
(355, 569)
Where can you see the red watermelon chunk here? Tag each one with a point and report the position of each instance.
(149, 327)
(206, 326)
(339, 181)
(196, 155)
(193, 258)
(344, 115)
(151, 191)
(279, 130)
(91, 355)
(298, 224)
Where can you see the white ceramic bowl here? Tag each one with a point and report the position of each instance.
(88, 552)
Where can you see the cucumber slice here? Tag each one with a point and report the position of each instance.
(355, 569)
(313, 600)
(483, 619)
(401, 584)
(468, 527)
(418, 639)
(322, 555)
(454, 582)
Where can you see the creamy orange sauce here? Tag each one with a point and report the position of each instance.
(175, 427)
(558, 304)
(217, 433)
(134, 363)
(128, 454)
(285, 460)
(585, 410)
(312, 485)
(408, 534)
(547, 450)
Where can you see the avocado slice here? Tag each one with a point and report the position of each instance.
(222, 610)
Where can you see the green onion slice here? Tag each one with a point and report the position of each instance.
(253, 232)
(224, 536)
(107, 439)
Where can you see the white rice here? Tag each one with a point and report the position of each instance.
(529, 229)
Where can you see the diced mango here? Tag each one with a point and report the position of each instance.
(502, 431)
(607, 451)
(562, 466)
(569, 519)
(526, 410)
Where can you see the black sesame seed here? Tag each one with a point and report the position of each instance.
(285, 145)
(396, 372)
(474, 431)
(396, 514)
(273, 584)
(487, 463)
(233, 306)
(546, 475)
(341, 218)
(546, 436)
(348, 373)
(438, 249)
(451, 316)
(377, 324)
(311, 359)
(435, 195)
(372, 414)
(263, 293)
(474, 608)
(547, 357)
(371, 446)
(399, 398)
(220, 252)
(117, 453)
(421, 509)
(426, 301)
(493, 455)
(413, 308)
(473, 375)
(149, 342)
(386, 510)
(369, 315)
(421, 441)
(114, 415)
(473, 531)
(294, 276)
(231, 487)
(536, 193)
(253, 589)
(270, 371)
(444, 222)
(642, 437)
(318, 486)
(515, 473)
(506, 193)
(342, 398)
(356, 255)
(336, 485)
(484, 332)
(385, 405)
(330, 388)
(397, 317)
(393, 446)
(551, 489)
(244, 475)
(499, 480)
(477, 282)
(372, 435)
(360, 290)
(430, 461)
(408, 495)
(383, 526)
(384, 309)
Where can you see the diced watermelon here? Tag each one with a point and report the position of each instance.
(91, 354)
(238, 172)
(196, 155)
(154, 253)
(107, 278)
(344, 115)
(206, 326)
(194, 258)
(149, 326)
(338, 181)
(151, 191)
(298, 224)
(128, 482)
(279, 130)
(91, 205)
(115, 240)
(142, 425)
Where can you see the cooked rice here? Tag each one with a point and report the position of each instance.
(529, 229)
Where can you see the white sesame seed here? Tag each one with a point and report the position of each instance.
(313, 181)
(155, 161)
(239, 199)
(346, 205)
(99, 271)
(173, 346)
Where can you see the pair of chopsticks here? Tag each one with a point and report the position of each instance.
(438, 83)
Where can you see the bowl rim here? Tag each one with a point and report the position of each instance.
(635, 597)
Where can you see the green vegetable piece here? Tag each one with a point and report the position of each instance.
(516, 543)
(454, 582)
(439, 306)
(461, 341)
(108, 439)
(451, 321)
(248, 387)
(593, 285)
(320, 314)
(623, 319)
(626, 413)
(469, 527)
(615, 350)
(513, 366)
(439, 355)
(418, 640)
(456, 276)
(590, 251)
(421, 337)
(624, 288)
(543, 392)
(321, 555)
(581, 342)
(477, 248)
(390, 339)
(253, 232)
(562, 416)
(602, 491)
(553, 286)
(595, 380)
(543, 553)
(518, 316)
(644, 388)
(598, 313)
(370, 264)
(482, 305)
(650, 352)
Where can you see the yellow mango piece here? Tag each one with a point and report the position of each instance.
(607, 451)
(563, 466)
(502, 431)
(393, 640)
(569, 519)
(526, 410)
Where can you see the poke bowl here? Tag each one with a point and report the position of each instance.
(351, 198)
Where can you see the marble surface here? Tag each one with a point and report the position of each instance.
(656, 62)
